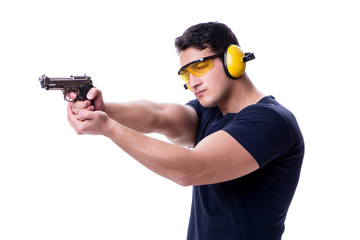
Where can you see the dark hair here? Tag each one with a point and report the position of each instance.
(214, 35)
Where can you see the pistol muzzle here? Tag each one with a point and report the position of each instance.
(44, 81)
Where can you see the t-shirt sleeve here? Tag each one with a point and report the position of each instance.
(195, 104)
(263, 132)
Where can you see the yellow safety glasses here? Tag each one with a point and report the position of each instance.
(197, 68)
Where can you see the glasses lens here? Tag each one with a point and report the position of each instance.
(200, 68)
(197, 69)
(185, 75)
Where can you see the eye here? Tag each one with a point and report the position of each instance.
(200, 65)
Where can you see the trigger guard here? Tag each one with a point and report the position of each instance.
(69, 99)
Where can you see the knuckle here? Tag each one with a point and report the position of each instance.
(78, 104)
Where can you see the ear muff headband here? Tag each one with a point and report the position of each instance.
(235, 61)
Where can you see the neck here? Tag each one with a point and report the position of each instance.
(241, 94)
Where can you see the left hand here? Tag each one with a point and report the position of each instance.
(88, 122)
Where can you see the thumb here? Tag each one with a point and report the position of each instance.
(91, 94)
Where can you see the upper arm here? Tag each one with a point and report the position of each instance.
(219, 157)
(179, 123)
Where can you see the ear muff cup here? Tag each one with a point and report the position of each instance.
(235, 61)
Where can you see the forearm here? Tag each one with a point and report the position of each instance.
(177, 122)
(141, 115)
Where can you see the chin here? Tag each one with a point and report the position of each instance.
(206, 103)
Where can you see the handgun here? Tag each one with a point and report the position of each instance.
(80, 85)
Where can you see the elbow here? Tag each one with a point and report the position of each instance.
(184, 179)
(184, 183)
(189, 170)
(190, 174)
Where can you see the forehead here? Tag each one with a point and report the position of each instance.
(191, 54)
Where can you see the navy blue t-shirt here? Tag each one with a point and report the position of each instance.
(254, 206)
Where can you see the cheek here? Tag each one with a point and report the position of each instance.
(219, 69)
(218, 76)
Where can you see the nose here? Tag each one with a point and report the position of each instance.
(194, 81)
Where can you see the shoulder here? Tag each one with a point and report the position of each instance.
(265, 117)
(267, 110)
(267, 104)
(202, 112)
(266, 129)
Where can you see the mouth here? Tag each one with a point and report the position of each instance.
(199, 93)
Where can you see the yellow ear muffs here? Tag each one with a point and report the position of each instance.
(235, 61)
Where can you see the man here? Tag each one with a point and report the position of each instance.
(245, 152)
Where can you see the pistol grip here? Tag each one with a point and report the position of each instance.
(83, 92)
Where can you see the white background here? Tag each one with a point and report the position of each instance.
(55, 184)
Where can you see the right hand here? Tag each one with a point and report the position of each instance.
(93, 94)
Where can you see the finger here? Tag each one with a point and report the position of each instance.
(81, 104)
(76, 111)
(72, 119)
(85, 115)
(98, 100)
(71, 96)
(71, 115)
